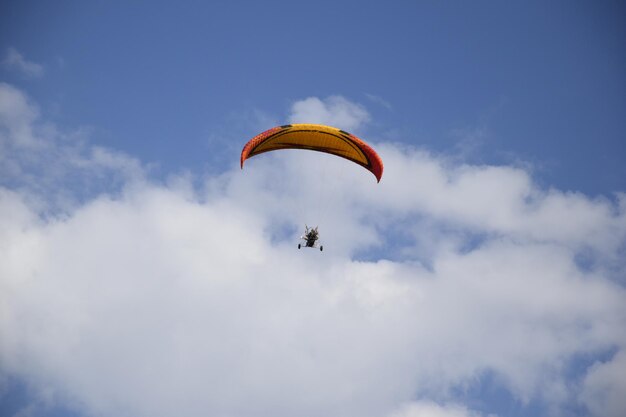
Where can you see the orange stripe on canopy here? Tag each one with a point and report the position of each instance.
(318, 138)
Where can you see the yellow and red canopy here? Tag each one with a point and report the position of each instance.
(319, 138)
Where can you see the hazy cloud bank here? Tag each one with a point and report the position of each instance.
(156, 299)
(15, 61)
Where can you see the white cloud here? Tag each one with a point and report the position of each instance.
(14, 60)
(38, 158)
(497, 199)
(17, 116)
(334, 111)
(604, 387)
(431, 409)
(162, 300)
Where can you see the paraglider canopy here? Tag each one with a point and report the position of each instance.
(319, 138)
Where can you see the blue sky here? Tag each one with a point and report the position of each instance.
(487, 273)
(534, 81)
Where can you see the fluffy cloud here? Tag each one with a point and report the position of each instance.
(499, 200)
(163, 299)
(605, 387)
(430, 409)
(334, 111)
